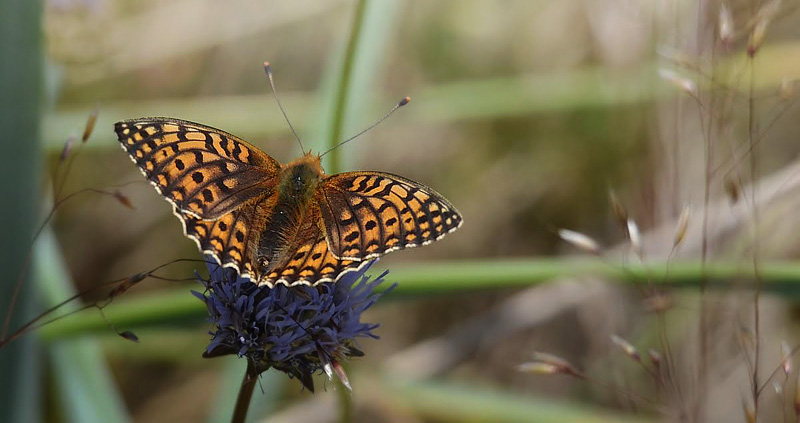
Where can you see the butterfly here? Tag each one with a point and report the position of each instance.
(280, 223)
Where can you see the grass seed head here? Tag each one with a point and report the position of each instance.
(67, 148)
(635, 237)
(786, 358)
(617, 208)
(787, 89)
(579, 240)
(726, 31)
(680, 228)
(123, 199)
(626, 347)
(732, 189)
(682, 83)
(90, 122)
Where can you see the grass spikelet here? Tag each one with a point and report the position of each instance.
(580, 241)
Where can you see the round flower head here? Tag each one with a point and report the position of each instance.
(299, 330)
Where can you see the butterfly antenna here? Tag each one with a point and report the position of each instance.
(400, 104)
(268, 70)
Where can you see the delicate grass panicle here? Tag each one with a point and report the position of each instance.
(299, 330)
(549, 364)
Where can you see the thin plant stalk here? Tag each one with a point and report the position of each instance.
(245, 394)
(752, 136)
(343, 88)
(346, 411)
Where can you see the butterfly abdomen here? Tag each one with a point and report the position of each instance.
(293, 218)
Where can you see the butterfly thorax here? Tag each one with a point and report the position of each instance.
(294, 214)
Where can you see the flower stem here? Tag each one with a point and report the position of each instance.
(345, 403)
(245, 394)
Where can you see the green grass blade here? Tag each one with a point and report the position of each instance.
(252, 116)
(439, 401)
(85, 388)
(177, 306)
(20, 106)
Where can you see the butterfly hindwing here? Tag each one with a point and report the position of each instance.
(202, 171)
(226, 239)
(311, 264)
(367, 214)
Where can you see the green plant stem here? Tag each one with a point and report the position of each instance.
(345, 403)
(20, 110)
(176, 306)
(589, 87)
(82, 381)
(343, 89)
(245, 394)
(447, 401)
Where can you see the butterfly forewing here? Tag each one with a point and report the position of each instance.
(203, 171)
(367, 214)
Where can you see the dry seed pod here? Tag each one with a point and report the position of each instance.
(539, 368)
(123, 199)
(127, 284)
(680, 228)
(726, 31)
(682, 83)
(635, 237)
(732, 189)
(550, 359)
(340, 373)
(756, 39)
(67, 148)
(617, 208)
(130, 336)
(90, 122)
(655, 357)
(579, 240)
(548, 364)
(787, 88)
(626, 347)
(763, 18)
(786, 358)
(749, 412)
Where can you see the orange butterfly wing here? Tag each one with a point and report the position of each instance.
(311, 264)
(231, 239)
(219, 185)
(202, 171)
(368, 214)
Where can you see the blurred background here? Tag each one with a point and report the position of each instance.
(663, 130)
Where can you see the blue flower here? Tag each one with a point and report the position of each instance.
(299, 330)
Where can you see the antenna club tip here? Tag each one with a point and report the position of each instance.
(266, 65)
(404, 101)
